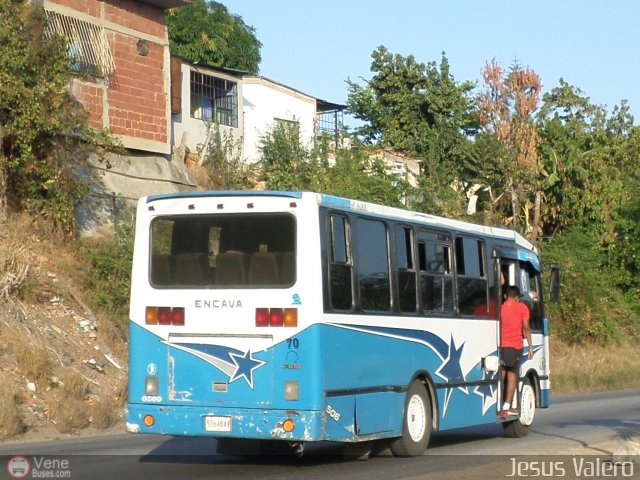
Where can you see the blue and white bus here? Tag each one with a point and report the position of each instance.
(301, 317)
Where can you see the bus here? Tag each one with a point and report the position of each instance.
(293, 317)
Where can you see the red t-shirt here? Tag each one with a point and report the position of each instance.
(513, 315)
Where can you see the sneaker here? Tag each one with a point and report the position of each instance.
(503, 414)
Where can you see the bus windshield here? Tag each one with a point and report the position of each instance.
(223, 251)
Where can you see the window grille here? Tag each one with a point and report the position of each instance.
(329, 123)
(88, 46)
(214, 99)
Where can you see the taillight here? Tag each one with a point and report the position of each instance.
(177, 316)
(164, 316)
(276, 317)
(151, 316)
(262, 317)
(290, 317)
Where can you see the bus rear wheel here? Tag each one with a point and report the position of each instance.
(416, 424)
(520, 427)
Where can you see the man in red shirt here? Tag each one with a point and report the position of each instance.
(514, 327)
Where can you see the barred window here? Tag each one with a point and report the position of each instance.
(214, 99)
(87, 44)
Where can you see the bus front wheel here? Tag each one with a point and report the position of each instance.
(416, 425)
(521, 427)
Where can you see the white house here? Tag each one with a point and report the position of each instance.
(244, 105)
(202, 97)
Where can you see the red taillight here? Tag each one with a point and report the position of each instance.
(262, 317)
(276, 317)
(177, 316)
(164, 316)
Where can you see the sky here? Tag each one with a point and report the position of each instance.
(315, 46)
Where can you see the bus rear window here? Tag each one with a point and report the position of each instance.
(223, 251)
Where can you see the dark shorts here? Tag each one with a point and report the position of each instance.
(510, 357)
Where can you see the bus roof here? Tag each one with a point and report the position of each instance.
(223, 193)
(398, 213)
(346, 204)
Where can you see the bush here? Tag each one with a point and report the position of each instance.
(108, 270)
(591, 308)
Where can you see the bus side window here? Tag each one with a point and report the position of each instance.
(436, 277)
(371, 259)
(472, 277)
(406, 274)
(530, 291)
(340, 270)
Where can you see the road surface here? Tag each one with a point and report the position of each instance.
(575, 438)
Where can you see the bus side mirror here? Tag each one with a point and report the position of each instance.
(554, 293)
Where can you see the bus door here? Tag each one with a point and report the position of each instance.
(506, 267)
(526, 276)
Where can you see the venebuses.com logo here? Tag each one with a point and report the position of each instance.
(38, 467)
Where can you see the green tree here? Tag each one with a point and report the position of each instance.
(289, 164)
(418, 109)
(583, 154)
(592, 157)
(44, 134)
(205, 32)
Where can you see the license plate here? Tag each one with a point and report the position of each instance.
(217, 424)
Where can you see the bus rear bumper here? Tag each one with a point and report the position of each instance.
(264, 424)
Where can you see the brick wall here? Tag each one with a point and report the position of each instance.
(135, 15)
(138, 104)
(90, 7)
(91, 96)
(133, 102)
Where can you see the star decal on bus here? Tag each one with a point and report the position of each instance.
(487, 391)
(451, 371)
(245, 365)
(232, 362)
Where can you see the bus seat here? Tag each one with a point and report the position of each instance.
(160, 269)
(263, 269)
(231, 268)
(287, 264)
(191, 269)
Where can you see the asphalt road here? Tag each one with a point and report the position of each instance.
(575, 438)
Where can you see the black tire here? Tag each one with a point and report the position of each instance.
(527, 404)
(416, 423)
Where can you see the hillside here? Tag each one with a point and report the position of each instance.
(62, 367)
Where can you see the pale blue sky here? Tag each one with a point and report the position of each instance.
(315, 46)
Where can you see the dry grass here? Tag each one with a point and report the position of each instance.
(30, 355)
(115, 337)
(69, 415)
(73, 386)
(104, 413)
(15, 265)
(590, 367)
(11, 420)
(69, 410)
